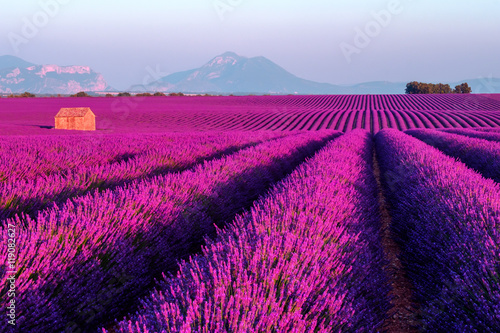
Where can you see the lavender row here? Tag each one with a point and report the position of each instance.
(490, 136)
(163, 153)
(479, 154)
(25, 158)
(494, 129)
(306, 258)
(445, 219)
(28, 157)
(84, 263)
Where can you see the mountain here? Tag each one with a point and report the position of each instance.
(231, 73)
(17, 76)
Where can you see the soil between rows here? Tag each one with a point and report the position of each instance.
(403, 315)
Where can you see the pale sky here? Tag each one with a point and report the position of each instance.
(334, 41)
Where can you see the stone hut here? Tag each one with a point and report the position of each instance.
(82, 119)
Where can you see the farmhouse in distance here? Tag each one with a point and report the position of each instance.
(82, 119)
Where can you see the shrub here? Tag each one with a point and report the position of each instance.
(81, 94)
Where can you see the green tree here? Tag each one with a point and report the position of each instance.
(441, 89)
(463, 89)
(412, 88)
(415, 87)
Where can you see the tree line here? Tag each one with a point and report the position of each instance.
(121, 94)
(25, 94)
(415, 87)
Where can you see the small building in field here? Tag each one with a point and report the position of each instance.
(82, 119)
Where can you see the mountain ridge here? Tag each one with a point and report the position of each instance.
(18, 75)
(227, 73)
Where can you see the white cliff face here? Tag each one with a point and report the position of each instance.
(62, 70)
(216, 68)
(51, 79)
(222, 61)
(99, 84)
(14, 73)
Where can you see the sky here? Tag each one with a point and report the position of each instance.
(333, 41)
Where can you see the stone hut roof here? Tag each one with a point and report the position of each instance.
(73, 112)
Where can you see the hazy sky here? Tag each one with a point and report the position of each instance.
(335, 41)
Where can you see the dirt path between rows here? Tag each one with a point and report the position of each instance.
(403, 315)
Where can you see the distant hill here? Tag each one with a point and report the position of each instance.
(7, 62)
(17, 76)
(488, 85)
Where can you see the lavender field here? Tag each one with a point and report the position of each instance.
(370, 213)
(277, 113)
